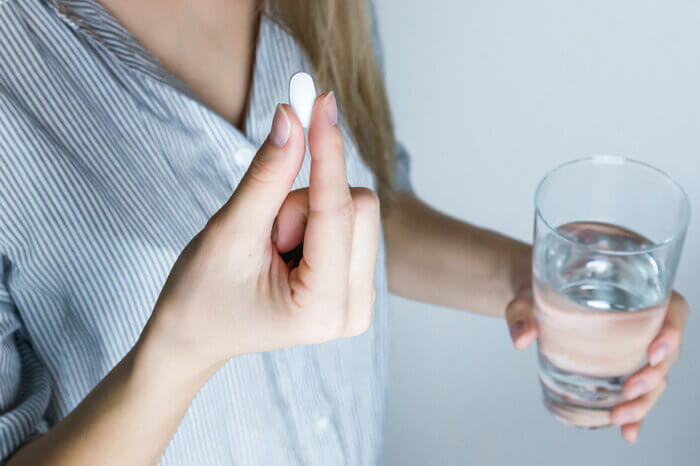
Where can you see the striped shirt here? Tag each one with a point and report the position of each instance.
(109, 165)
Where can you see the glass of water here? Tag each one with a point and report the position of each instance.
(608, 236)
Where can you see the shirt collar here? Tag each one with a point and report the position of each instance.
(89, 17)
(269, 83)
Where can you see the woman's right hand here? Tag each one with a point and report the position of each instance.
(231, 293)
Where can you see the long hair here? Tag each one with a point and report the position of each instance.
(337, 38)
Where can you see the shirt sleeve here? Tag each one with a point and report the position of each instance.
(25, 389)
(402, 181)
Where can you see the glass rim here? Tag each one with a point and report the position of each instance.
(617, 160)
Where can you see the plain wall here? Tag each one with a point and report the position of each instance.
(488, 96)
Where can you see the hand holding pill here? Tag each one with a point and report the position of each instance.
(263, 303)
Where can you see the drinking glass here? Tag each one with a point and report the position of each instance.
(608, 236)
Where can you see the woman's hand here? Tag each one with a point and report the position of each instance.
(643, 388)
(231, 292)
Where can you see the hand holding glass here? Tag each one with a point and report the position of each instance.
(608, 237)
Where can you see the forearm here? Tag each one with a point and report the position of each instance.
(128, 418)
(434, 258)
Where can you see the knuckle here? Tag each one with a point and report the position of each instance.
(223, 231)
(339, 324)
(329, 143)
(344, 209)
(365, 201)
(636, 414)
(347, 207)
(362, 317)
(519, 307)
(362, 329)
(338, 207)
(333, 326)
(319, 315)
(337, 145)
(360, 326)
(262, 171)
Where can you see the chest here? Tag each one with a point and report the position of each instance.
(116, 176)
(209, 46)
(107, 170)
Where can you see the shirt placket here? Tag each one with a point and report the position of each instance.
(306, 397)
(309, 406)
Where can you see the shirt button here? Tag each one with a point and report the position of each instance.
(244, 156)
(321, 424)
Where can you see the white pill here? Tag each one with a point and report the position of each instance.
(302, 94)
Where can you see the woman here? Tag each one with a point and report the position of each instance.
(151, 259)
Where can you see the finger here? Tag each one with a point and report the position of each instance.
(521, 321)
(363, 260)
(635, 410)
(669, 337)
(646, 379)
(288, 232)
(328, 184)
(269, 177)
(630, 432)
(328, 235)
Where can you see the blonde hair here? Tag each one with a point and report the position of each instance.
(337, 38)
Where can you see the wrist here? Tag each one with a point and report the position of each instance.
(160, 353)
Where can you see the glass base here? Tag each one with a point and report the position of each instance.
(579, 400)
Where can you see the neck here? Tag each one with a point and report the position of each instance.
(208, 44)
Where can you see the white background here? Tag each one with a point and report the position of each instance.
(487, 96)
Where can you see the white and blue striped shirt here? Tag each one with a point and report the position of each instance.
(108, 167)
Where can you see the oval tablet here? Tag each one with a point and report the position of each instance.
(302, 94)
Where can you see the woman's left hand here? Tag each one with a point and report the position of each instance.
(643, 388)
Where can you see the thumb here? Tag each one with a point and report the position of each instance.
(270, 176)
(521, 320)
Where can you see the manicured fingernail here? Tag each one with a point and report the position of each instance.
(331, 108)
(638, 388)
(279, 134)
(658, 354)
(273, 235)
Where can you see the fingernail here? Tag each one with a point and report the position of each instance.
(279, 134)
(331, 108)
(637, 389)
(518, 327)
(273, 235)
(658, 354)
(517, 330)
(634, 437)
